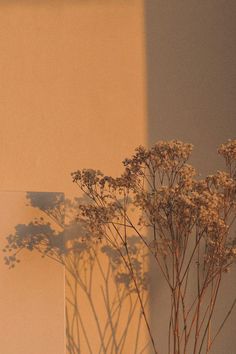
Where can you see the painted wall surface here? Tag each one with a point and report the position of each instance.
(72, 89)
(191, 90)
(72, 95)
(32, 294)
(83, 83)
(191, 74)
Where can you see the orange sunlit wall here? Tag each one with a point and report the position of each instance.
(72, 95)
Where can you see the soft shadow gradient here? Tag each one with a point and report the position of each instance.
(191, 89)
(191, 74)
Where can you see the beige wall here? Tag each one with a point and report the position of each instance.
(191, 74)
(191, 90)
(72, 95)
(72, 89)
(32, 294)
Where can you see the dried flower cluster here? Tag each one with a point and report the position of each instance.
(184, 223)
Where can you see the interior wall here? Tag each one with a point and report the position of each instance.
(32, 293)
(72, 95)
(72, 89)
(191, 89)
(191, 74)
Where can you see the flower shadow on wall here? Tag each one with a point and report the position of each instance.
(157, 210)
(92, 266)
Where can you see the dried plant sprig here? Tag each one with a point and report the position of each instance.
(189, 224)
